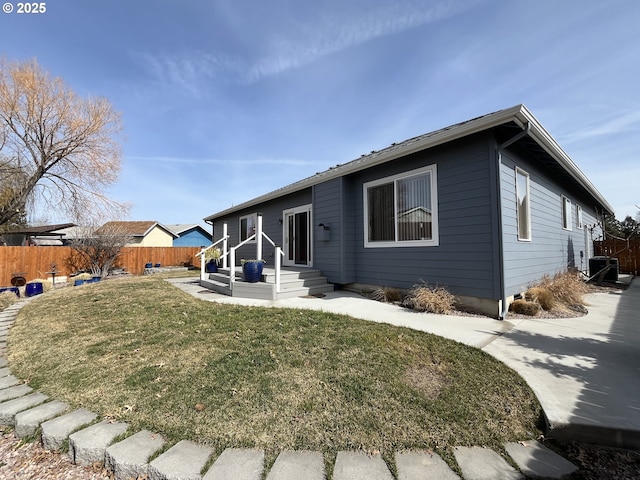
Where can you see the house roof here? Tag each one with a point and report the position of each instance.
(180, 228)
(135, 228)
(43, 229)
(546, 148)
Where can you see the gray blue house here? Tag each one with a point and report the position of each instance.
(484, 208)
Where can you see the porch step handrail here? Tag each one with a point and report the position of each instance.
(224, 239)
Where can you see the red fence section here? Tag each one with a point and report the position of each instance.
(628, 258)
(36, 262)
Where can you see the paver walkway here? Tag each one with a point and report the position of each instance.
(92, 440)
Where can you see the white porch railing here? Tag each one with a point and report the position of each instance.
(223, 257)
(258, 236)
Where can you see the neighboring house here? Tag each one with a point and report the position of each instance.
(144, 234)
(44, 235)
(189, 235)
(484, 208)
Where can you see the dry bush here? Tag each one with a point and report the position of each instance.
(430, 299)
(566, 287)
(524, 307)
(541, 295)
(7, 299)
(387, 295)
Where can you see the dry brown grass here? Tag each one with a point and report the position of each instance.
(542, 296)
(387, 295)
(566, 289)
(524, 307)
(425, 298)
(7, 299)
(143, 352)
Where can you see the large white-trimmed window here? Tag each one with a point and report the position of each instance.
(566, 213)
(523, 205)
(248, 227)
(579, 222)
(402, 210)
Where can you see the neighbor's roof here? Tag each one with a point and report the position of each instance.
(43, 229)
(518, 115)
(135, 229)
(179, 228)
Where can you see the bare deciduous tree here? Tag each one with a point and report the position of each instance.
(97, 249)
(56, 148)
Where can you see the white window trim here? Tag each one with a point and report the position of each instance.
(434, 242)
(567, 223)
(255, 220)
(579, 218)
(522, 172)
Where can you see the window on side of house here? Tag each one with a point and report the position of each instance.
(566, 213)
(402, 210)
(247, 227)
(579, 222)
(523, 205)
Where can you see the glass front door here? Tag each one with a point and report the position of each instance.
(297, 236)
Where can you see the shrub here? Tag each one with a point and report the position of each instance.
(430, 299)
(565, 287)
(387, 295)
(542, 296)
(524, 307)
(7, 299)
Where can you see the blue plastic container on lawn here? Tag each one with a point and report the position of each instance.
(33, 289)
(78, 282)
(15, 290)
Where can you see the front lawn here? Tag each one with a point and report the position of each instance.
(141, 351)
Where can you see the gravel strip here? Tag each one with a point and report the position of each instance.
(22, 461)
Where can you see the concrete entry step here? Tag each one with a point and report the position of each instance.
(536, 460)
(10, 408)
(294, 465)
(56, 431)
(129, 458)
(477, 463)
(183, 461)
(15, 392)
(360, 466)
(3, 362)
(27, 422)
(89, 445)
(237, 464)
(4, 372)
(421, 465)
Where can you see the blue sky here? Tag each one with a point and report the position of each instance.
(224, 100)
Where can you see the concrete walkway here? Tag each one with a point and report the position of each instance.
(583, 370)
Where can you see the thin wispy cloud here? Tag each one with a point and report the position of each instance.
(219, 161)
(304, 41)
(626, 122)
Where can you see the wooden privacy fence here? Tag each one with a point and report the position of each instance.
(628, 259)
(36, 262)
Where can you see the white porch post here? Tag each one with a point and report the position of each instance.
(277, 267)
(232, 266)
(224, 245)
(202, 272)
(259, 236)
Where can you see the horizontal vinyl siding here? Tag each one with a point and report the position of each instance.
(552, 249)
(463, 261)
(327, 208)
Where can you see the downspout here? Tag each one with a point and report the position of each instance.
(503, 311)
